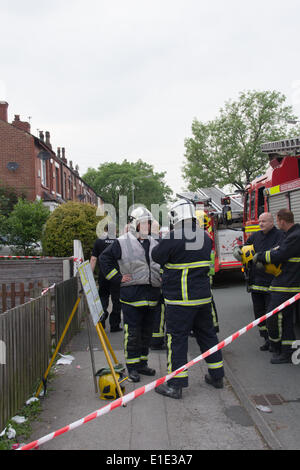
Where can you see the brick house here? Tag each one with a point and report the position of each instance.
(30, 165)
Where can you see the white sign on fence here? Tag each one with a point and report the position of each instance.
(2, 352)
(91, 291)
(78, 255)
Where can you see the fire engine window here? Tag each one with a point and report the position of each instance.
(261, 201)
(252, 205)
(246, 206)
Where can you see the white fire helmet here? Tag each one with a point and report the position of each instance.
(138, 215)
(181, 210)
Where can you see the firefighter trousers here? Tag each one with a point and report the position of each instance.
(138, 326)
(158, 333)
(281, 325)
(260, 301)
(180, 320)
(109, 290)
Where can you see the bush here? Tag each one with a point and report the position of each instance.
(68, 222)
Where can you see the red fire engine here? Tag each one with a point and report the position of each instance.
(279, 188)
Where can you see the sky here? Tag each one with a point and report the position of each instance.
(126, 78)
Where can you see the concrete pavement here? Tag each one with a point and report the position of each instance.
(205, 418)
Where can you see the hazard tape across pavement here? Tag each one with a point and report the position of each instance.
(146, 388)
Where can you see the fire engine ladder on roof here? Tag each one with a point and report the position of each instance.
(201, 197)
(215, 195)
(286, 147)
(211, 197)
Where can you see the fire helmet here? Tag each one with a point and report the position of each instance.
(273, 269)
(107, 386)
(202, 218)
(181, 210)
(138, 215)
(244, 253)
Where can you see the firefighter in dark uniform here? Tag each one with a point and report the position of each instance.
(284, 286)
(107, 289)
(259, 281)
(185, 257)
(140, 281)
(205, 222)
(158, 333)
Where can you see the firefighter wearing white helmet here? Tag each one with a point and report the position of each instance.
(139, 219)
(128, 262)
(187, 296)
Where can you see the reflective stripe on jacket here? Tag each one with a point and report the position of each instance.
(185, 256)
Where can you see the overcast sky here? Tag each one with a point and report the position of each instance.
(125, 78)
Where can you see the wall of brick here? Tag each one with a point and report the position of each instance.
(17, 146)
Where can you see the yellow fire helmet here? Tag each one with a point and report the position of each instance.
(273, 269)
(202, 218)
(107, 387)
(247, 254)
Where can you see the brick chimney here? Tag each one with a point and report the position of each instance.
(3, 111)
(24, 126)
(48, 139)
(63, 155)
(42, 137)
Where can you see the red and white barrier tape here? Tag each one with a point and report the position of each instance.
(47, 288)
(25, 257)
(79, 260)
(146, 388)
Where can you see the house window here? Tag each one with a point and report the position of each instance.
(57, 180)
(65, 185)
(44, 172)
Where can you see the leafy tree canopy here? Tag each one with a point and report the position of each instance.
(137, 180)
(8, 198)
(227, 150)
(24, 226)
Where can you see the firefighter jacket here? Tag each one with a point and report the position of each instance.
(288, 255)
(259, 281)
(134, 257)
(185, 257)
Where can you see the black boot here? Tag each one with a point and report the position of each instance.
(145, 370)
(265, 346)
(217, 383)
(282, 358)
(169, 391)
(133, 376)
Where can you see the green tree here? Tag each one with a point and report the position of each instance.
(8, 198)
(227, 150)
(68, 222)
(138, 179)
(24, 226)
